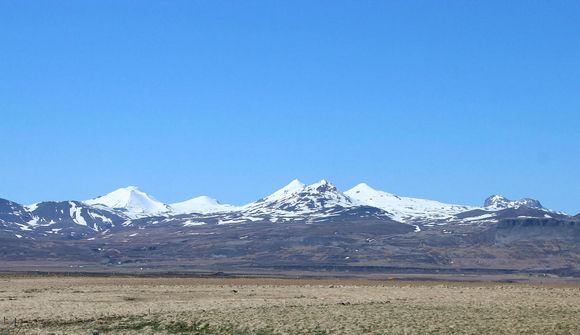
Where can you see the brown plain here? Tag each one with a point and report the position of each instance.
(112, 305)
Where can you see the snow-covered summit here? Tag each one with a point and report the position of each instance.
(324, 194)
(497, 202)
(403, 209)
(298, 199)
(202, 204)
(131, 201)
(293, 187)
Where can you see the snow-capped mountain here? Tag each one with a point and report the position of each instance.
(404, 209)
(202, 204)
(131, 202)
(298, 199)
(321, 202)
(498, 202)
(297, 227)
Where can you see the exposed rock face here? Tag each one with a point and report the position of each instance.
(13, 215)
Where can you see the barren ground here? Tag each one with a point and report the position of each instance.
(80, 305)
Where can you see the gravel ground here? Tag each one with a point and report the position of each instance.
(77, 305)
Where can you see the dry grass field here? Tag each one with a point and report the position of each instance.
(77, 305)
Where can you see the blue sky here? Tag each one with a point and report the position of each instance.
(448, 100)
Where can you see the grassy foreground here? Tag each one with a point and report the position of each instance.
(60, 305)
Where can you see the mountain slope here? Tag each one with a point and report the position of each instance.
(13, 218)
(404, 209)
(68, 219)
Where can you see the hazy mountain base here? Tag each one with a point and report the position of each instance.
(369, 246)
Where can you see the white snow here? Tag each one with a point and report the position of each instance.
(481, 217)
(499, 202)
(132, 201)
(34, 221)
(190, 223)
(31, 208)
(293, 187)
(202, 205)
(403, 209)
(76, 215)
(220, 222)
(103, 218)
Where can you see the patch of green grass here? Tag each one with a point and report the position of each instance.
(132, 325)
(194, 327)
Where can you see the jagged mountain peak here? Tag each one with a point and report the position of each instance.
(299, 199)
(496, 200)
(501, 202)
(322, 186)
(533, 203)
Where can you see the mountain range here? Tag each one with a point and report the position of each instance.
(298, 226)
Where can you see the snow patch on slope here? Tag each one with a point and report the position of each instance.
(76, 214)
(31, 208)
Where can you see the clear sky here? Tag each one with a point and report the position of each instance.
(447, 100)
